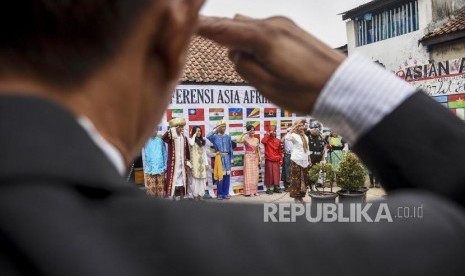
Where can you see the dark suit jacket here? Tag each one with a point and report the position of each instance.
(65, 211)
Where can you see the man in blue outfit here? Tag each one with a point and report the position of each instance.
(224, 152)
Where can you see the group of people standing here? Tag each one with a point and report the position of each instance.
(303, 148)
(253, 161)
(180, 169)
(167, 171)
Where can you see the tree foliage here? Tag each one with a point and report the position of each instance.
(351, 175)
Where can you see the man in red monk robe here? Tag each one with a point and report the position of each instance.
(273, 161)
(178, 159)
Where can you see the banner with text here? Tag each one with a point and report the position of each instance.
(205, 105)
(444, 81)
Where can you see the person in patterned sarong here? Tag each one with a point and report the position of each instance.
(155, 166)
(300, 160)
(252, 160)
(199, 162)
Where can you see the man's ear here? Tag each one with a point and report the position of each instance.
(180, 22)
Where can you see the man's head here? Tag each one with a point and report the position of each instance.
(315, 129)
(221, 127)
(299, 126)
(180, 130)
(113, 61)
(62, 43)
(306, 124)
(272, 132)
(178, 124)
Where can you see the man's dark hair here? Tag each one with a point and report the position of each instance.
(63, 42)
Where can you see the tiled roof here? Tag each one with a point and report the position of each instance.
(455, 24)
(208, 62)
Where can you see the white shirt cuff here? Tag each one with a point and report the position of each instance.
(358, 96)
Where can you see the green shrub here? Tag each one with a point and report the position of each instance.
(326, 168)
(351, 175)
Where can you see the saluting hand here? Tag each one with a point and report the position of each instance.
(260, 50)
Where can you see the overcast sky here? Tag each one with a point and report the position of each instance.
(320, 17)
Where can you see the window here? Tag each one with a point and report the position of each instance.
(371, 28)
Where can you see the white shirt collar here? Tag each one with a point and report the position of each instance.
(112, 153)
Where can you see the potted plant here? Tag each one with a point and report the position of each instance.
(323, 173)
(351, 179)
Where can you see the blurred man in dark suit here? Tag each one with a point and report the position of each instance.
(84, 83)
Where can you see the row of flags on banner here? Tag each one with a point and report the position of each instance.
(283, 118)
(232, 114)
(237, 129)
(237, 118)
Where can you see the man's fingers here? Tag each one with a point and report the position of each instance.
(241, 17)
(234, 34)
(224, 31)
(248, 68)
(181, 18)
(268, 84)
(197, 4)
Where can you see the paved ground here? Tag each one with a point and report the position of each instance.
(372, 194)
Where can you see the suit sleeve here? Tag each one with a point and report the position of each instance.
(358, 96)
(405, 137)
(419, 145)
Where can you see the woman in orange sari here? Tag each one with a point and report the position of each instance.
(252, 160)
